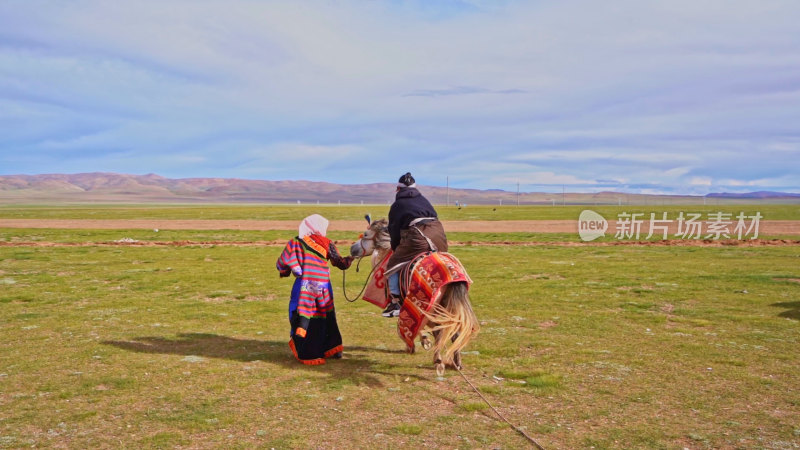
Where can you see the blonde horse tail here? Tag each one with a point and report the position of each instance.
(455, 321)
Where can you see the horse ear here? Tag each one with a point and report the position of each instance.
(369, 219)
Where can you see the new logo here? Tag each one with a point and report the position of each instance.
(591, 225)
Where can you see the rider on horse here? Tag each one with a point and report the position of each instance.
(414, 228)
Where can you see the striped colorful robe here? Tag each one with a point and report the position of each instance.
(314, 331)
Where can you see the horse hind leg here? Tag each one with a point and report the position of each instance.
(456, 355)
(437, 357)
(457, 360)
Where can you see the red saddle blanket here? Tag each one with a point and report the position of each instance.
(429, 275)
(375, 292)
(423, 284)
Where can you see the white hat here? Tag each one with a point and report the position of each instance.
(313, 224)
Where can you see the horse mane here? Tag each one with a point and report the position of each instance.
(381, 229)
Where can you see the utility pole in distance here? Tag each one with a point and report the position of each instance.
(448, 190)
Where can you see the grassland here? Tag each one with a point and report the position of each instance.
(356, 212)
(604, 347)
(64, 236)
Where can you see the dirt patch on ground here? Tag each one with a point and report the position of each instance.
(766, 227)
(664, 243)
(784, 227)
(547, 324)
(345, 243)
(542, 276)
(792, 280)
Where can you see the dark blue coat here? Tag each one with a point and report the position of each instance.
(408, 205)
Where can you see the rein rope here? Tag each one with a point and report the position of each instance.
(516, 428)
(366, 282)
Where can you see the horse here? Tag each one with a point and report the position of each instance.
(447, 311)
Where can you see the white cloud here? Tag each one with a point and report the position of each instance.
(676, 172)
(700, 181)
(489, 92)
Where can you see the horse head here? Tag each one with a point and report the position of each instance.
(374, 239)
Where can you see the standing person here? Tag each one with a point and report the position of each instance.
(414, 228)
(314, 332)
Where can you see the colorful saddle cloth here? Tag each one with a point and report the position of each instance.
(429, 274)
(377, 288)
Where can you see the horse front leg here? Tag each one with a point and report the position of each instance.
(425, 340)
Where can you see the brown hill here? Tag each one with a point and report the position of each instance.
(113, 187)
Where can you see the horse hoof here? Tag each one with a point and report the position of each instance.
(439, 369)
(426, 342)
(410, 350)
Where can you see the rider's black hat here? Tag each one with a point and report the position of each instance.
(406, 180)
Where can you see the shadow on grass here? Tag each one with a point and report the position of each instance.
(375, 349)
(792, 313)
(402, 367)
(351, 367)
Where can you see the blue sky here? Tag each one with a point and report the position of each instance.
(684, 96)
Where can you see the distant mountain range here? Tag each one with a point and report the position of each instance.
(113, 187)
(754, 195)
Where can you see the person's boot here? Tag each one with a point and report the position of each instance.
(393, 308)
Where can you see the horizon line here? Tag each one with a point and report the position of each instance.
(595, 189)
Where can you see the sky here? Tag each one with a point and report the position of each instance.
(683, 96)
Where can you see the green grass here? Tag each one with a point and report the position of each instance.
(356, 212)
(78, 235)
(473, 406)
(408, 429)
(199, 236)
(64, 236)
(612, 347)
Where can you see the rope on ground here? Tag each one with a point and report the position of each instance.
(516, 428)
